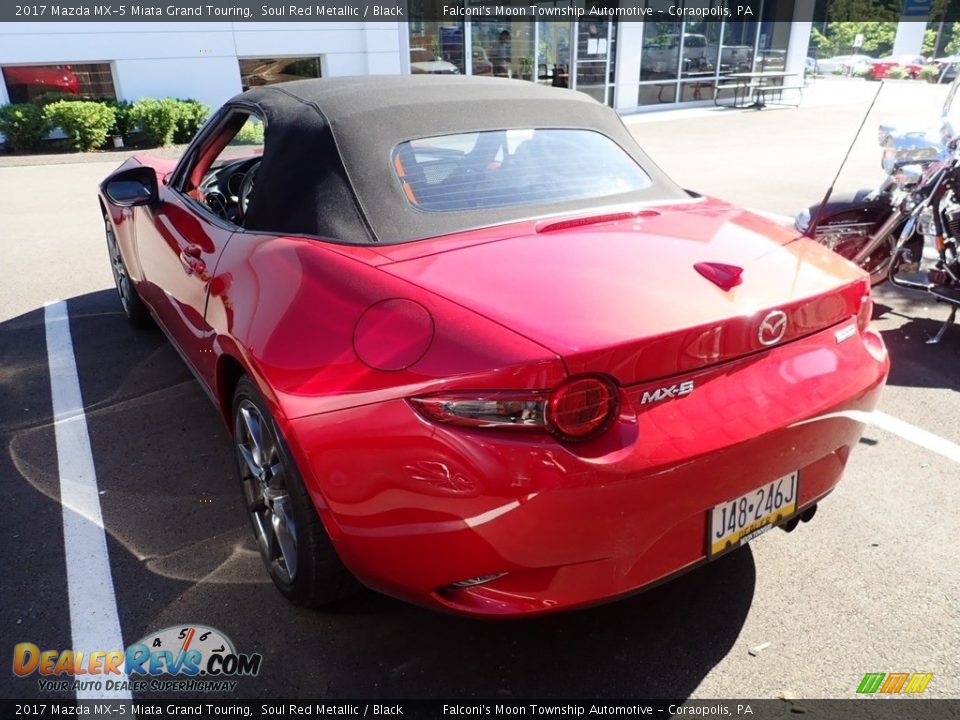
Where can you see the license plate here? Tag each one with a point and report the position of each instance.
(738, 521)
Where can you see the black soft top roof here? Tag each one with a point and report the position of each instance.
(326, 168)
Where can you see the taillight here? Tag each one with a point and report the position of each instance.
(492, 409)
(865, 314)
(577, 410)
(581, 408)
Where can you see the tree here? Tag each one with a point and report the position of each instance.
(953, 47)
(840, 36)
(849, 11)
(821, 43)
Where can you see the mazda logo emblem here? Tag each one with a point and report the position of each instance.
(772, 328)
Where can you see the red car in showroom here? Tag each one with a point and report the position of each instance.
(910, 64)
(477, 351)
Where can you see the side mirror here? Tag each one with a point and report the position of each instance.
(128, 188)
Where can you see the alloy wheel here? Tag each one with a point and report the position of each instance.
(120, 277)
(264, 476)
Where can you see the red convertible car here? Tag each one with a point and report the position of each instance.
(478, 352)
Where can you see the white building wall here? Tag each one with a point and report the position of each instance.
(199, 60)
(909, 38)
(800, 30)
(629, 44)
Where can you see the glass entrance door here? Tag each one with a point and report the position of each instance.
(503, 48)
(554, 53)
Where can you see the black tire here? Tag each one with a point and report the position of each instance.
(130, 301)
(278, 498)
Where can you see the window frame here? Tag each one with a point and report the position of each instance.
(208, 136)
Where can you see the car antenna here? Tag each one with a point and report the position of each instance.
(812, 228)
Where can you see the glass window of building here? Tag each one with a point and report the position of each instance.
(554, 53)
(267, 71)
(774, 37)
(659, 58)
(594, 54)
(436, 48)
(739, 40)
(562, 53)
(88, 81)
(503, 48)
(700, 53)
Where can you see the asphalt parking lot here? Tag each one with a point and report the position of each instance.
(871, 585)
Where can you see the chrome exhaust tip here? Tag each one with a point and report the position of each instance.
(791, 525)
(473, 582)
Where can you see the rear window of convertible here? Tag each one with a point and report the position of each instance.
(502, 168)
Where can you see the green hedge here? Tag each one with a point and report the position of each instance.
(87, 124)
(156, 119)
(250, 134)
(91, 123)
(168, 120)
(24, 125)
(122, 124)
(930, 73)
(191, 114)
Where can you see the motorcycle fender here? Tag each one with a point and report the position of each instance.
(852, 209)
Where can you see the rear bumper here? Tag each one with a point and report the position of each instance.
(413, 507)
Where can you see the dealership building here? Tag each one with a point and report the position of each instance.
(629, 65)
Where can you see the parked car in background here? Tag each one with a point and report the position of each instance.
(947, 67)
(844, 64)
(425, 62)
(910, 64)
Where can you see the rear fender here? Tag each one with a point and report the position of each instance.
(860, 208)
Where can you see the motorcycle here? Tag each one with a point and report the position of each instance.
(885, 230)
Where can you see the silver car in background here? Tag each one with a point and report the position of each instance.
(845, 65)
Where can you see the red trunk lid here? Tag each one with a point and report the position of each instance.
(624, 297)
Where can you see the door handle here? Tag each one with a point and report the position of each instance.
(190, 259)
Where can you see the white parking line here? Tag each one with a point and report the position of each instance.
(911, 433)
(94, 624)
(916, 435)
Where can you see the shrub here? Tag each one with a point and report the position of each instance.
(156, 119)
(123, 124)
(86, 123)
(930, 73)
(250, 134)
(191, 115)
(53, 96)
(24, 125)
(897, 73)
